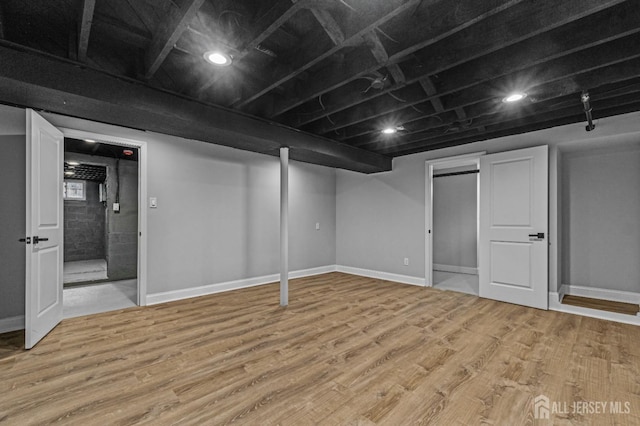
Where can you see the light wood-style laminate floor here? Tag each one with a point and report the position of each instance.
(347, 351)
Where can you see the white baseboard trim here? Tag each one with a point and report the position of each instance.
(555, 305)
(169, 296)
(561, 292)
(600, 293)
(404, 279)
(455, 269)
(311, 272)
(11, 324)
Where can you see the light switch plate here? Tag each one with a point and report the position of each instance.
(153, 202)
(116, 207)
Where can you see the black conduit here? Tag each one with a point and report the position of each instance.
(118, 180)
(587, 110)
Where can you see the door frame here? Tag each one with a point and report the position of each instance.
(471, 159)
(142, 196)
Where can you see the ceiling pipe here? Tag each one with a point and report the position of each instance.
(587, 110)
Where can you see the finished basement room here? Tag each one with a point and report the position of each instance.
(349, 212)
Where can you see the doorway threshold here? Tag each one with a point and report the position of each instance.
(94, 299)
(462, 283)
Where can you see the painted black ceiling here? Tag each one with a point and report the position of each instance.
(338, 70)
(100, 149)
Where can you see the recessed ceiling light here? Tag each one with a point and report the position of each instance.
(69, 173)
(90, 141)
(514, 97)
(73, 163)
(218, 58)
(389, 130)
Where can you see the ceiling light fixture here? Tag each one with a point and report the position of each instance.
(514, 97)
(69, 173)
(392, 130)
(73, 163)
(217, 57)
(90, 141)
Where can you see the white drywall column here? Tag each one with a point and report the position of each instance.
(284, 226)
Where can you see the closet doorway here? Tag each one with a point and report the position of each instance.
(452, 223)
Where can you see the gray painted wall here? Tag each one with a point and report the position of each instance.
(12, 224)
(455, 241)
(312, 200)
(601, 216)
(381, 219)
(218, 214)
(84, 226)
(218, 211)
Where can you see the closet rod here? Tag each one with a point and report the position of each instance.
(466, 172)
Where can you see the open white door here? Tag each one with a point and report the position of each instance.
(513, 227)
(45, 158)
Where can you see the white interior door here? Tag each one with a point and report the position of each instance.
(45, 158)
(514, 227)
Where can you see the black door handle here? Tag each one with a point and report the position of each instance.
(37, 239)
(538, 235)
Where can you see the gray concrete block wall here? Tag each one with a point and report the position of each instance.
(122, 235)
(84, 226)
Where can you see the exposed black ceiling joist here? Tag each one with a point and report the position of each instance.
(359, 24)
(84, 31)
(544, 86)
(436, 71)
(168, 34)
(264, 27)
(48, 83)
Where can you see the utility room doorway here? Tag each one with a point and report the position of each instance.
(101, 193)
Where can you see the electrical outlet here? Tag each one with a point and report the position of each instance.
(406, 261)
(116, 207)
